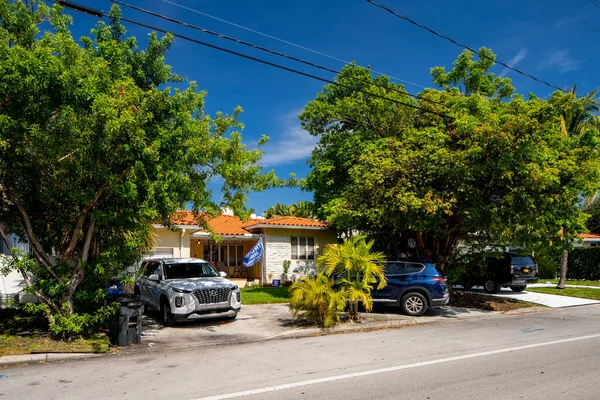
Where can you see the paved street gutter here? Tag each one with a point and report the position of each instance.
(45, 358)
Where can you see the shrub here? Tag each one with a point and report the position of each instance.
(317, 301)
(548, 262)
(584, 263)
(68, 327)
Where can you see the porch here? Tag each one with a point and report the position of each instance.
(226, 256)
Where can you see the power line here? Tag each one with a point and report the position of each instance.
(595, 2)
(198, 28)
(287, 42)
(571, 15)
(463, 45)
(100, 14)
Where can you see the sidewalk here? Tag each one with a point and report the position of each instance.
(544, 299)
(552, 285)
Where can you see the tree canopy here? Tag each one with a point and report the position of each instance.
(95, 147)
(470, 161)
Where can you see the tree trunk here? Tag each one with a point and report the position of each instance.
(563, 271)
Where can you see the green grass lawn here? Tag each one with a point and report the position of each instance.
(12, 345)
(584, 293)
(265, 295)
(573, 282)
(23, 333)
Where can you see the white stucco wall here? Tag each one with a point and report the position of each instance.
(11, 284)
(277, 250)
(166, 239)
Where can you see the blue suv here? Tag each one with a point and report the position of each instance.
(413, 286)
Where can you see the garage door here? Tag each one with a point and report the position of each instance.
(162, 252)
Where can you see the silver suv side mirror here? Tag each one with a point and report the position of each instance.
(154, 277)
(223, 274)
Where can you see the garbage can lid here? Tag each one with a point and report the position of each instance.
(130, 301)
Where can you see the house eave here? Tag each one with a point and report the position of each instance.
(205, 235)
(258, 226)
(177, 226)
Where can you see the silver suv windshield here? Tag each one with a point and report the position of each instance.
(189, 270)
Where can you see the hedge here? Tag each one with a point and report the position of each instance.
(584, 263)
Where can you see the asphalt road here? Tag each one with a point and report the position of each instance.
(548, 355)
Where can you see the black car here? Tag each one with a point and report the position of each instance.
(504, 270)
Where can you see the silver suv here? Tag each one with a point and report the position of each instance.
(187, 289)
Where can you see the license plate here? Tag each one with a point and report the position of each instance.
(525, 270)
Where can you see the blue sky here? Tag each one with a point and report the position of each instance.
(527, 34)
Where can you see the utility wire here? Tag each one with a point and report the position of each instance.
(463, 45)
(100, 14)
(571, 15)
(287, 42)
(595, 2)
(198, 28)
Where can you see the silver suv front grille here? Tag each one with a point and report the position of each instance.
(210, 296)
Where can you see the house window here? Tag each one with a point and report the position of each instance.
(303, 248)
(594, 244)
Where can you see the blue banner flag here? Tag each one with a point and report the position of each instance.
(254, 255)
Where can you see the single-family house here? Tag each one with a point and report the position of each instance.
(588, 240)
(299, 240)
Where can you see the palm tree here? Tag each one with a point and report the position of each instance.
(360, 268)
(303, 209)
(575, 119)
(317, 300)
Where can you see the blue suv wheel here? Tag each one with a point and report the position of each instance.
(413, 304)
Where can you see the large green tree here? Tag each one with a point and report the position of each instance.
(95, 147)
(470, 161)
(575, 119)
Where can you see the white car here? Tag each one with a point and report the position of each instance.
(187, 289)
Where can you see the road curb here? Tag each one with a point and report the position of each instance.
(45, 358)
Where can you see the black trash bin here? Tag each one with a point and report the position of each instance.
(126, 324)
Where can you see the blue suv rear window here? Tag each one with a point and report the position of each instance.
(401, 268)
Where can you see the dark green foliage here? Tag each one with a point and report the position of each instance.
(548, 261)
(584, 263)
(464, 269)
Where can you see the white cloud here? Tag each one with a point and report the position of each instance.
(561, 60)
(520, 56)
(292, 144)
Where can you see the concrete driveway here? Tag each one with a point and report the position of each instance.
(273, 321)
(548, 300)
